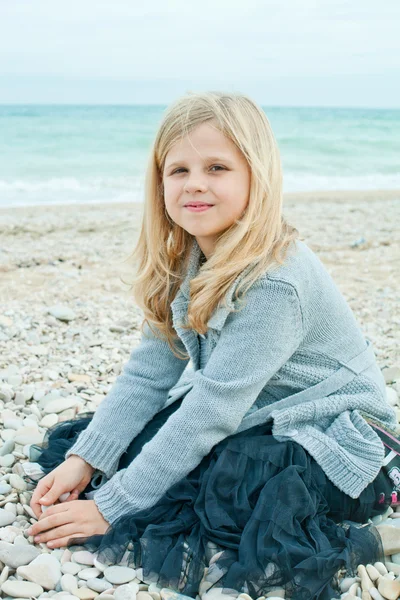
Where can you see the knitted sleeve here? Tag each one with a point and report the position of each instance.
(253, 344)
(139, 392)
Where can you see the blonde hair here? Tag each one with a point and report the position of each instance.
(261, 236)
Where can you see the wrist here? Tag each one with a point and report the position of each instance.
(82, 460)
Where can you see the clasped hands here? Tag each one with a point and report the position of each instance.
(72, 518)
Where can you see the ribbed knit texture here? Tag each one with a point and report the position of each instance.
(295, 331)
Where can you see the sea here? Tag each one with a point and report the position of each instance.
(81, 154)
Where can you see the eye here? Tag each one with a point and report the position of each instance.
(181, 168)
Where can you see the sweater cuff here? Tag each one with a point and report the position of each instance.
(113, 501)
(97, 450)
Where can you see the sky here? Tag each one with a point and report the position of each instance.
(282, 53)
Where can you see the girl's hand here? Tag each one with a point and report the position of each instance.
(59, 523)
(73, 475)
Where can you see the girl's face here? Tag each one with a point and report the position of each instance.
(209, 169)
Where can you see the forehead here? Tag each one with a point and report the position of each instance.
(204, 142)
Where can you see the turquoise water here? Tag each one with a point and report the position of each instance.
(87, 154)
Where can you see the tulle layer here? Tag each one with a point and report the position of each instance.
(264, 510)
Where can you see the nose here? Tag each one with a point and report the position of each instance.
(194, 184)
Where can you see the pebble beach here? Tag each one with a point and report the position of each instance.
(68, 324)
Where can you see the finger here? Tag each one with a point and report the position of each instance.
(74, 495)
(53, 517)
(59, 543)
(40, 490)
(57, 532)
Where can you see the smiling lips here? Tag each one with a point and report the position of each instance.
(198, 207)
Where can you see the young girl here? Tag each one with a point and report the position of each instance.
(250, 469)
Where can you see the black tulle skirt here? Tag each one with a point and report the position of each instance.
(264, 509)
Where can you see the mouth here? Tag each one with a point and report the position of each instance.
(198, 207)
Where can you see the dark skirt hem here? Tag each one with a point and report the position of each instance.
(266, 507)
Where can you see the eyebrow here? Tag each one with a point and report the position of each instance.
(206, 159)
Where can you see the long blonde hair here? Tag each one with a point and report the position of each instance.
(261, 236)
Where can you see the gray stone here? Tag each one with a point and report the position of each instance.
(61, 312)
(15, 556)
(118, 575)
(6, 518)
(21, 589)
(43, 570)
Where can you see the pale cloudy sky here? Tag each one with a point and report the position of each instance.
(280, 52)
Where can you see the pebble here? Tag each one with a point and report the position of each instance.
(71, 568)
(7, 460)
(125, 592)
(69, 583)
(21, 589)
(389, 589)
(118, 575)
(44, 570)
(85, 593)
(6, 518)
(28, 435)
(5, 488)
(62, 313)
(98, 585)
(380, 567)
(89, 573)
(60, 404)
(17, 482)
(7, 447)
(15, 556)
(83, 557)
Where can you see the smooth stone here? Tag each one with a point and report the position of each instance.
(5, 488)
(8, 535)
(390, 537)
(71, 568)
(69, 583)
(389, 589)
(16, 556)
(144, 595)
(61, 312)
(98, 585)
(117, 575)
(99, 565)
(90, 573)
(346, 583)
(381, 568)
(28, 435)
(83, 557)
(373, 573)
(7, 447)
(396, 558)
(17, 482)
(66, 556)
(393, 568)
(7, 460)
(84, 593)
(167, 594)
(108, 596)
(6, 518)
(21, 589)
(44, 570)
(279, 591)
(366, 582)
(49, 420)
(354, 589)
(60, 404)
(125, 592)
(375, 594)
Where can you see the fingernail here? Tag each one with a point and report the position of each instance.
(44, 499)
(29, 531)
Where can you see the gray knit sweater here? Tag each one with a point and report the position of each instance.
(294, 354)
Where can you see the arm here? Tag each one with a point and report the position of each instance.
(139, 392)
(253, 345)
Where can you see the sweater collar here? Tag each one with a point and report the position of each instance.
(220, 314)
